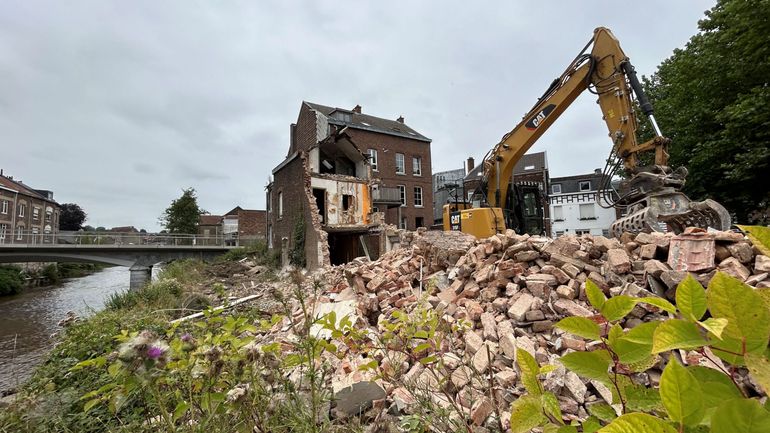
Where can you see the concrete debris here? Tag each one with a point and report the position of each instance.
(501, 295)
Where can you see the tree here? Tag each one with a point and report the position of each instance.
(71, 217)
(183, 213)
(712, 98)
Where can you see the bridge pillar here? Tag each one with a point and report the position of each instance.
(140, 276)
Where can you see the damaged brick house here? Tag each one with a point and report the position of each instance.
(347, 173)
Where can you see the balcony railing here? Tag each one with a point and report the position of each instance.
(386, 196)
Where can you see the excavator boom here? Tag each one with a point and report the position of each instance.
(651, 195)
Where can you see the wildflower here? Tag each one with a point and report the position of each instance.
(155, 352)
(186, 337)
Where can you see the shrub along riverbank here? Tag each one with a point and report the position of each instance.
(13, 279)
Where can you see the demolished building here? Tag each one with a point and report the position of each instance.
(331, 197)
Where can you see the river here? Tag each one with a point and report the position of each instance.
(28, 319)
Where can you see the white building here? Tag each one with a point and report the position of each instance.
(574, 207)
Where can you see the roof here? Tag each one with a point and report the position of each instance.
(210, 220)
(17, 186)
(239, 209)
(369, 123)
(571, 184)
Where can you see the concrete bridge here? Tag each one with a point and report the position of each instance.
(109, 248)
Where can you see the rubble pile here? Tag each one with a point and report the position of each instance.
(509, 290)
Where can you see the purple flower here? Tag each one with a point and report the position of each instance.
(186, 337)
(155, 352)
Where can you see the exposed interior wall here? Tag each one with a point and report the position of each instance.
(346, 201)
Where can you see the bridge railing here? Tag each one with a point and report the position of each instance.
(33, 237)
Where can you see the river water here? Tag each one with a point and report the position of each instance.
(28, 319)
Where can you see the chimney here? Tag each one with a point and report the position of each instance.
(597, 171)
(471, 163)
(292, 131)
(357, 109)
(400, 119)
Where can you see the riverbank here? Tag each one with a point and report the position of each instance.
(15, 278)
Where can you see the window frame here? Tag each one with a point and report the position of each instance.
(554, 186)
(560, 211)
(373, 159)
(280, 204)
(403, 164)
(3, 231)
(35, 213)
(403, 223)
(584, 182)
(402, 194)
(22, 209)
(415, 192)
(417, 164)
(4, 208)
(582, 206)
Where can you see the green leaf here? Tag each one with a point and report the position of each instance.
(643, 399)
(617, 307)
(602, 411)
(764, 293)
(595, 295)
(529, 371)
(740, 416)
(681, 394)
(747, 317)
(180, 410)
(422, 347)
(526, 413)
(547, 368)
(716, 387)
(676, 334)
(714, 326)
(615, 332)
(659, 302)
(591, 365)
(759, 236)
(759, 367)
(691, 298)
(636, 344)
(567, 429)
(637, 423)
(551, 406)
(91, 403)
(591, 425)
(580, 326)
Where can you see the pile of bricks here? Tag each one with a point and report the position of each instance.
(509, 290)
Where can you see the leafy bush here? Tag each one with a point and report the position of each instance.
(11, 280)
(257, 251)
(729, 321)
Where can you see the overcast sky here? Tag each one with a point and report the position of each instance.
(118, 106)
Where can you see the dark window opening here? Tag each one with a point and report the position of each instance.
(419, 222)
(347, 200)
(320, 201)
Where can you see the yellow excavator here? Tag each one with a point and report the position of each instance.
(649, 197)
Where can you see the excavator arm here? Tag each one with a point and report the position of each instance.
(650, 197)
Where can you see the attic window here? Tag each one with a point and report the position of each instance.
(529, 167)
(343, 116)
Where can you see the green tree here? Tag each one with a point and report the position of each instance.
(183, 213)
(71, 217)
(712, 98)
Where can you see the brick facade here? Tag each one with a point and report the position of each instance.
(26, 215)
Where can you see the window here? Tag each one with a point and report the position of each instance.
(402, 194)
(402, 224)
(35, 213)
(19, 231)
(606, 233)
(558, 213)
(529, 167)
(559, 233)
(418, 196)
(400, 168)
(587, 212)
(5, 207)
(22, 209)
(556, 188)
(373, 158)
(417, 166)
(582, 232)
(585, 185)
(3, 229)
(419, 222)
(347, 200)
(280, 204)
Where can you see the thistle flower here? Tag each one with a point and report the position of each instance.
(155, 352)
(237, 393)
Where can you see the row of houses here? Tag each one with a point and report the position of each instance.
(347, 175)
(27, 215)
